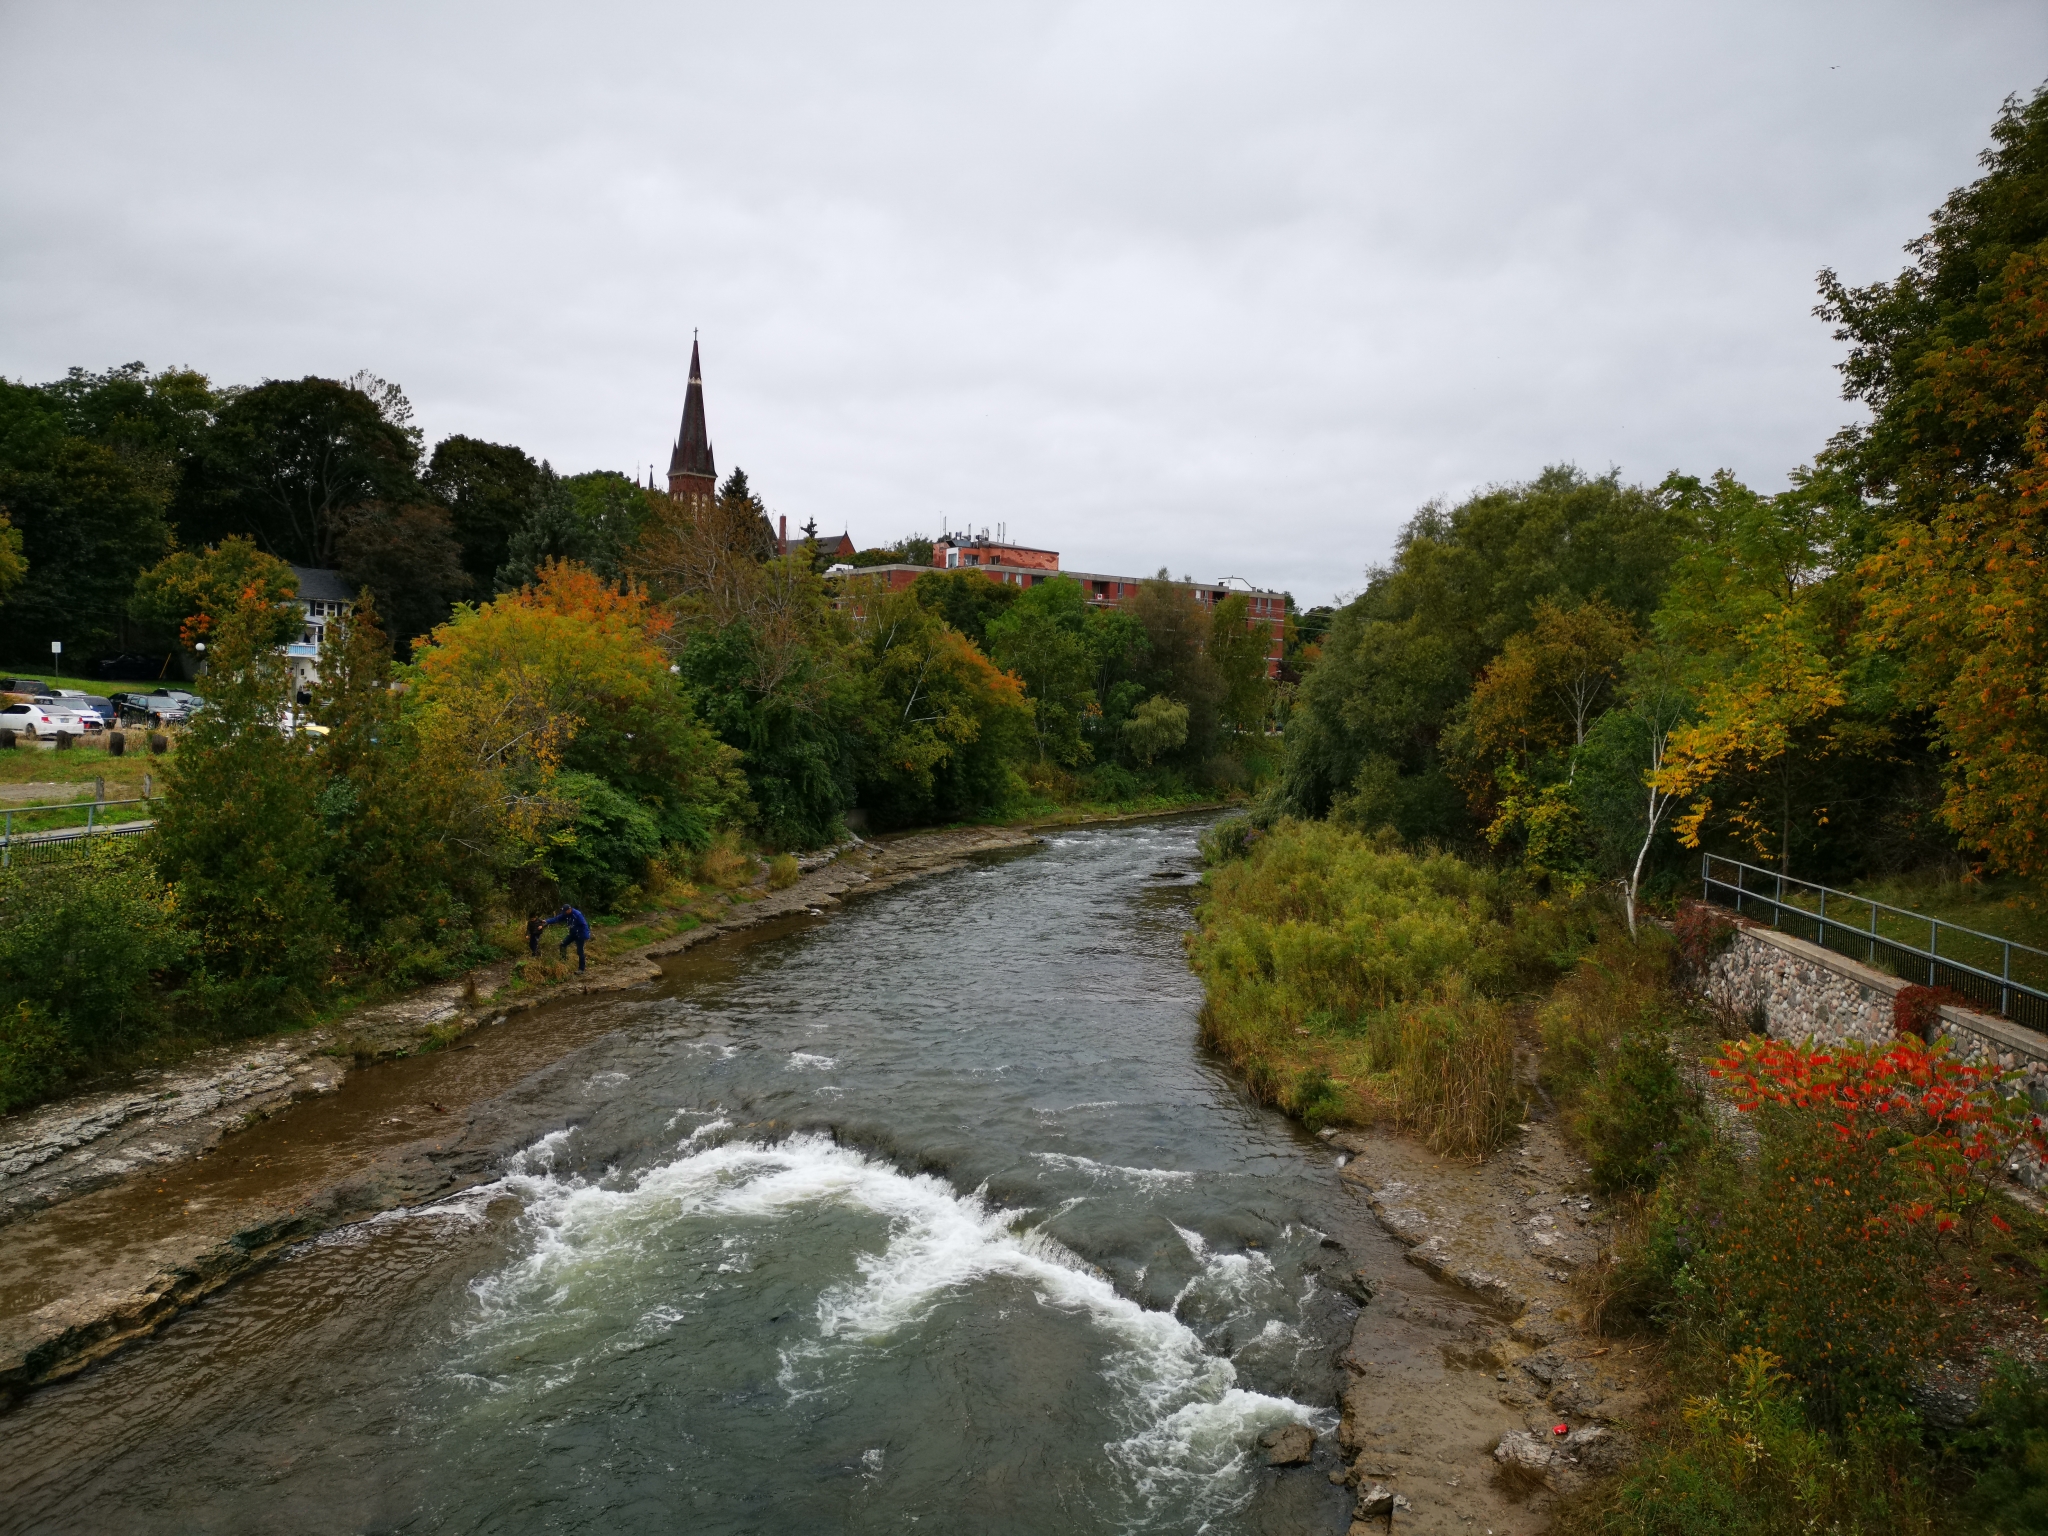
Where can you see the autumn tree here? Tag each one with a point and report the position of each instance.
(1042, 638)
(942, 726)
(571, 674)
(191, 592)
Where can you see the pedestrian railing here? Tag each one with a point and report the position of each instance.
(58, 842)
(1995, 974)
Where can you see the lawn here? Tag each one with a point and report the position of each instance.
(35, 773)
(2001, 908)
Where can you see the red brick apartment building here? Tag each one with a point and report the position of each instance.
(1022, 566)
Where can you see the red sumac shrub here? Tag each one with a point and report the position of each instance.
(1702, 933)
(1916, 1011)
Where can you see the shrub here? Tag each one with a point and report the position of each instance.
(611, 838)
(1454, 1068)
(783, 872)
(36, 1056)
(1325, 949)
(2008, 1440)
(1639, 1116)
(1612, 1033)
(1916, 1011)
(723, 865)
(83, 942)
(1746, 1460)
(1231, 838)
(1112, 784)
(1702, 933)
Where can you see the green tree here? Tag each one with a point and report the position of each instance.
(1176, 662)
(969, 601)
(407, 849)
(550, 531)
(615, 511)
(1238, 652)
(1156, 727)
(86, 516)
(1918, 453)
(288, 462)
(237, 833)
(406, 556)
(1400, 659)
(1043, 637)
(942, 727)
(489, 490)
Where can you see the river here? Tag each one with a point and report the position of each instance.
(932, 1213)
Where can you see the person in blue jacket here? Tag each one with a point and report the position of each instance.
(579, 931)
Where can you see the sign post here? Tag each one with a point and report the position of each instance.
(57, 656)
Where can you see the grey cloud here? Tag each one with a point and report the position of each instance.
(1230, 289)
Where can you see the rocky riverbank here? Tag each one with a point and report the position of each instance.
(1518, 1402)
(123, 1207)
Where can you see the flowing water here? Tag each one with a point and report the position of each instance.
(932, 1214)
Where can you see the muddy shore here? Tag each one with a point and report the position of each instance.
(121, 1208)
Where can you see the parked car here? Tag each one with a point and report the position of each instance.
(164, 706)
(43, 718)
(97, 713)
(34, 687)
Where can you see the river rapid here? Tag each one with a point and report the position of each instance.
(930, 1214)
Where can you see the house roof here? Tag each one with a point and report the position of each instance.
(323, 586)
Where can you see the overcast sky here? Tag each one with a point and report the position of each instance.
(1229, 289)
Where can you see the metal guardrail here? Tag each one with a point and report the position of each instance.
(57, 840)
(1800, 908)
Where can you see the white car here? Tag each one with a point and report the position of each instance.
(45, 717)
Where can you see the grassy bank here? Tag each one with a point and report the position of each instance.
(1354, 982)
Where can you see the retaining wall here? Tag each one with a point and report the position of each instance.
(1799, 990)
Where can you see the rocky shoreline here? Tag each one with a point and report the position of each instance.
(76, 1176)
(1523, 1402)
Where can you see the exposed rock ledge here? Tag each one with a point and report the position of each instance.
(1514, 1365)
(69, 1149)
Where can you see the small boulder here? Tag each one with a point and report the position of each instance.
(1519, 1448)
(1288, 1445)
(1379, 1503)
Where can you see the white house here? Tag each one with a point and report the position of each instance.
(322, 595)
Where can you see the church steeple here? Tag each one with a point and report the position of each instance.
(691, 472)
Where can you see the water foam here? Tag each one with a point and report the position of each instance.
(1190, 1426)
(1140, 1176)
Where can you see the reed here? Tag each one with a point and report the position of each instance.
(1353, 981)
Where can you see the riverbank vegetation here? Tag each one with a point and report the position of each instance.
(1511, 751)
(596, 729)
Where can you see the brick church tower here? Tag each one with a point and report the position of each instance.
(691, 474)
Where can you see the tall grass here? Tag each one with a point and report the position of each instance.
(1353, 981)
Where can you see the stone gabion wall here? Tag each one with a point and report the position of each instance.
(1797, 990)
(1797, 995)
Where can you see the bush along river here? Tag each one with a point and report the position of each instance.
(932, 1214)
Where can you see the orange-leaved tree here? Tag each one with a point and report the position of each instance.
(1960, 599)
(192, 592)
(571, 674)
